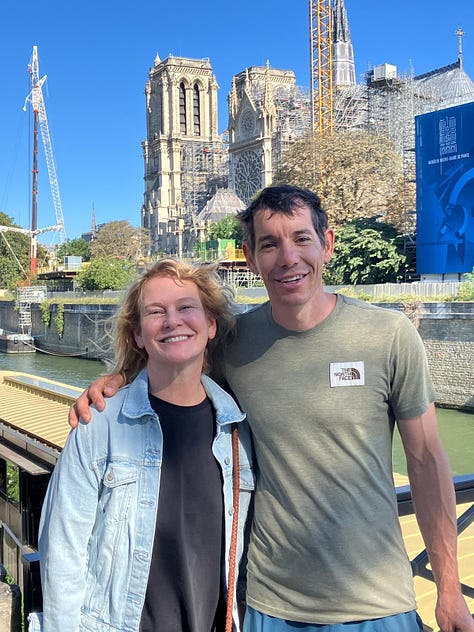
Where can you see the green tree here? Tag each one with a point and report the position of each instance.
(106, 273)
(74, 247)
(355, 173)
(120, 239)
(10, 273)
(227, 228)
(14, 254)
(365, 252)
(466, 289)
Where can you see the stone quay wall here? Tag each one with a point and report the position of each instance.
(70, 329)
(447, 330)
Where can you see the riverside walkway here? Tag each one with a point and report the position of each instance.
(34, 428)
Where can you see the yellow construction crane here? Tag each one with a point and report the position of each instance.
(320, 25)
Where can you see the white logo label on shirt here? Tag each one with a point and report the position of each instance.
(347, 373)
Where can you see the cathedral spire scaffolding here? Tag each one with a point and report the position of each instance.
(343, 52)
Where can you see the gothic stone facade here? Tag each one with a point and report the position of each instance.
(264, 116)
(182, 143)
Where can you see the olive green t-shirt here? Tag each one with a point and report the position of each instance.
(326, 545)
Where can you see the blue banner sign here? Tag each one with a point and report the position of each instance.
(445, 190)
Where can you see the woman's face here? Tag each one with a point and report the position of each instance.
(174, 327)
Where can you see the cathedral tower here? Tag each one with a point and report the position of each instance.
(182, 147)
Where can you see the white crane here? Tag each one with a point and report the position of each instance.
(35, 97)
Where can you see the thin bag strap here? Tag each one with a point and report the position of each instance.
(235, 524)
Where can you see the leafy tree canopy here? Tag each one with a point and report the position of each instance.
(106, 273)
(227, 228)
(14, 254)
(356, 174)
(120, 239)
(10, 273)
(74, 247)
(365, 252)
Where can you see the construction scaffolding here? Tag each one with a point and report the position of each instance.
(293, 120)
(25, 297)
(350, 108)
(204, 170)
(391, 103)
(291, 110)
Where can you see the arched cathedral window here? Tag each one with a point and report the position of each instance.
(183, 128)
(196, 111)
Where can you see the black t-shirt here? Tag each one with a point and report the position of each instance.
(184, 586)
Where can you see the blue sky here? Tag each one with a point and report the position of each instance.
(97, 55)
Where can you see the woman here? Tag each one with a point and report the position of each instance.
(136, 525)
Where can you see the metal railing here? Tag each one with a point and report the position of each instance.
(425, 289)
(464, 487)
(23, 563)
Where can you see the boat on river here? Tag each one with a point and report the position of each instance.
(14, 342)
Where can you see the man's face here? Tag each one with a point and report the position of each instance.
(289, 257)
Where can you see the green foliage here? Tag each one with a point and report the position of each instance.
(75, 248)
(365, 252)
(105, 273)
(242, 299)
(45, 307)
(356, 174)
(466, 288)
(10, 271)
(355, 293)
(120, 239)
(13, 483)
(59, 319)
(405, 299)
(227, 228)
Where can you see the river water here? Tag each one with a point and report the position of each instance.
(456, 428)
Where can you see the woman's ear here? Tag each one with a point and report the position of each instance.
(212, 328)
(138, 339)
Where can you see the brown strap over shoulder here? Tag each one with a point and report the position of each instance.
(235, 524)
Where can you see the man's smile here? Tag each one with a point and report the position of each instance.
(292, 279)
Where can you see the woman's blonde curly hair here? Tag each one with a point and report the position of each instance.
(216, 299)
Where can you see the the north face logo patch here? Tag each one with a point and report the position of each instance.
(347, 374)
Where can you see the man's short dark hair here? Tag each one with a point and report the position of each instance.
(284, 199)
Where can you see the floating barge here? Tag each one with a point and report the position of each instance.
(13, 342)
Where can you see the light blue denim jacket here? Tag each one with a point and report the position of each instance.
(99, 514)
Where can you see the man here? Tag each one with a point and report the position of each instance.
(323, 379)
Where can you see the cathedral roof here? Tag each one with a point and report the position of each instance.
(223, 203)
(449, 85)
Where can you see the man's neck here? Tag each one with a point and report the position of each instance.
(304, 317)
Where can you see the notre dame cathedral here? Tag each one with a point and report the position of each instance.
(187, 161)
(189, 168)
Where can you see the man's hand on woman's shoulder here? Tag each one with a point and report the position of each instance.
(95, 394)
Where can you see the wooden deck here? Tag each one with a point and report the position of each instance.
(426, 590)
